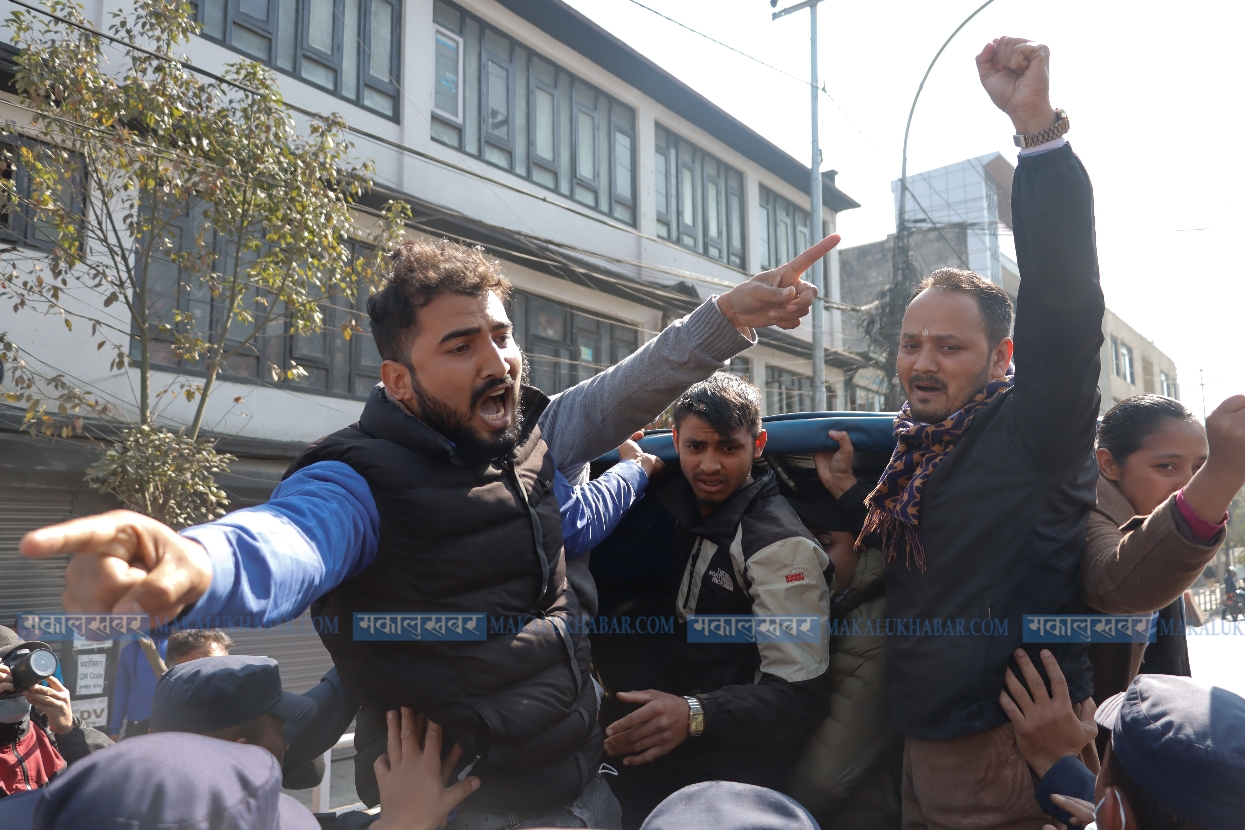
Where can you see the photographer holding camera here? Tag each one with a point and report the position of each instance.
(39, 735)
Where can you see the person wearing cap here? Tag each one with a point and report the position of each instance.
(236, 698)
(39, 733)
(729, 805)
(1175, 759)
(193, 782)
(727, 711)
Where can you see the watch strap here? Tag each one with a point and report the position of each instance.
(695, 717)
(1054, 131)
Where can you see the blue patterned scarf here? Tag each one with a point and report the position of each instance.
(895, 504)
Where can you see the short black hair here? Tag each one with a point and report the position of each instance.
(415, 273)
(724, 401)
(992, 301)
(182, 643)
(1151, 814)
(1129, 424)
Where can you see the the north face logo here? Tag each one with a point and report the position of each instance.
(721, 577)
(795, 573)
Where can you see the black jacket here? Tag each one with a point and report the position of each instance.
(1003, 516)
(465, 536)
(751, 555)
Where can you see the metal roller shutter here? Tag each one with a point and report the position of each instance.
(30, 584)
(295, 645)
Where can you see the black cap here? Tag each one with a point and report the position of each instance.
(155, 782)
(10, 642)
(214, 693)
(1182, 743)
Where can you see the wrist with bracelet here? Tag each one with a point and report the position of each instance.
(1054, 131)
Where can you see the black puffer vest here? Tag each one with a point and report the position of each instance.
(458, 535)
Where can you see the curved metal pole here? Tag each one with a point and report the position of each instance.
(903, 174)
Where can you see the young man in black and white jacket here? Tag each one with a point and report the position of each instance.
(727, 710)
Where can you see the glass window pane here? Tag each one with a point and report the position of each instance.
(546, 319)
(257, 9)
(734, 218)
(287, 33)
(318, 73)
(711, 208)
(586, 145)
(377, 100)
(663, 203)
(380, 39)
(544, 72)
(214, 18)
(622, 165)
(446, 93)
(498, 101)
(765, 258)
(687, 190)
(497, 43)
(445, 15)
(351, 36)
(250, 42)
(320, 25)
(544, 124)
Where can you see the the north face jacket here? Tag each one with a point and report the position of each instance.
(751, 555)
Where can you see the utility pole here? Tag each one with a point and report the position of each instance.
(1201, 379)
(814, 214)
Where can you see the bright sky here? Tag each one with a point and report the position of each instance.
(1151, 89)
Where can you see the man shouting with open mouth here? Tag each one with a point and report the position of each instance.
(439, 500)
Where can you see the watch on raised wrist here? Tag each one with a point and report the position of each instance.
(1060, 127)
(695, 717)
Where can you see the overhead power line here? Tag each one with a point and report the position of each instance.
(756, 60)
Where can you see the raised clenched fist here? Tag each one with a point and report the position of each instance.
(1016, 74)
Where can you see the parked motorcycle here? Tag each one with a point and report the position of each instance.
(1233, 604)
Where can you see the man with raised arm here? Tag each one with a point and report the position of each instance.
(982, 511)
(440, 500)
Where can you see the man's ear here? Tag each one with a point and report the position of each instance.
(1002, 358)
(1106, 465)
(1113, 812)
(397, 380)
(674, 435)
(758, 446)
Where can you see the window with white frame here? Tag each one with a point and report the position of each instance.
(787, 391)
(349, 48)
(498, 100)
(1167, 385)
(1126, 364)
(784, 231)
(699, 200)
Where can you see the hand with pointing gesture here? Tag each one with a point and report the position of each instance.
(777, 297)
(124, 562)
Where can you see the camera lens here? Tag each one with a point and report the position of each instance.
(43, 663)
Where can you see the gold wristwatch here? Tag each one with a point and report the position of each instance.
(695, 717)
(1060, 127)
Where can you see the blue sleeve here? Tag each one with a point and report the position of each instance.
(270, 562)
(1068, 777)
(121, 690)
(591, 511)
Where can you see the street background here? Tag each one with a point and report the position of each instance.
(1147, 91)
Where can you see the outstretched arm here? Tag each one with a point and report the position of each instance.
(266, 563)
(591, 511)
(1060, 304)
(595, 416)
